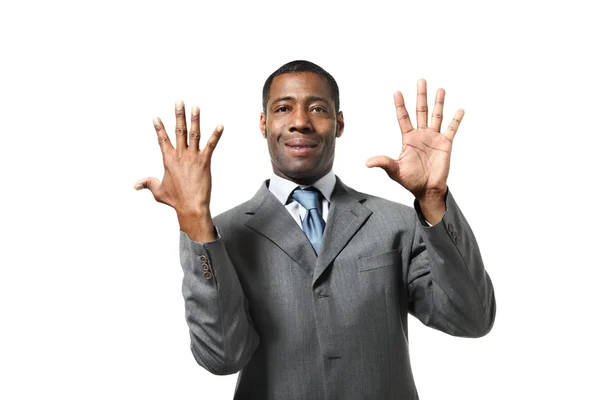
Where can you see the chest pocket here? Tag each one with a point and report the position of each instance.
(378, 261)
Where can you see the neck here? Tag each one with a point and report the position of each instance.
(303, 181)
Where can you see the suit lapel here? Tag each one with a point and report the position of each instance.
(273, 221)
(346, 215)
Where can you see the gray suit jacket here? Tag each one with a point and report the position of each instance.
(258, 299)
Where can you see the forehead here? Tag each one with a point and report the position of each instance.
(299, 85)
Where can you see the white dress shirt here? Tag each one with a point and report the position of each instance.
(283, 188)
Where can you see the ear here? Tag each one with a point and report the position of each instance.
(340, 124)
(263, 124)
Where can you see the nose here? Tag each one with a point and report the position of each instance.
(300, 122)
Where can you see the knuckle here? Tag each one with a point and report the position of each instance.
(403, 117)
(180, 131)
(421, 108)
(437, 115)
(194, 135)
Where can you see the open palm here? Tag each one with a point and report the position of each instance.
(424, 161)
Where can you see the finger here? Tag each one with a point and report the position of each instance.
(385, 162)
(422, 103)
(195, 129)
(180, 126)
(163, 138)
(213, 140)
(438, 110)
(453, 126)
(147, 183)
(402, 114)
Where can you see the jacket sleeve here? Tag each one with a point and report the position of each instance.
(216, 309)
(448, 286)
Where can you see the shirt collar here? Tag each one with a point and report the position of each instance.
(282, 188)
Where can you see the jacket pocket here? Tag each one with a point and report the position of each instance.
(378, 261)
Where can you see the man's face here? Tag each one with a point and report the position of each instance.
(301, 126)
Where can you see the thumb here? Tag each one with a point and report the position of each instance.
(147, 183)
(383, 162)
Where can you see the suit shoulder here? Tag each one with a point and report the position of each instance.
(232, 215)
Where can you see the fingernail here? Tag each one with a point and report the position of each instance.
(195, 111)
(179, 105)
(138, 186)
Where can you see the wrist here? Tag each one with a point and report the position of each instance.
(433, 196)
(198, 225)
(433, 205)
(197, 212)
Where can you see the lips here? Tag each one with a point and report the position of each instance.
(300, 147)
(301, 142)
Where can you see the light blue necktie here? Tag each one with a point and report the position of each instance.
(313, 224)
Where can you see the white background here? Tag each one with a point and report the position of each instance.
(90, 281)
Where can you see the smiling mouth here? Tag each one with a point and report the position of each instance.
(301, 150)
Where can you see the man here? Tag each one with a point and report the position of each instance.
(305, 288)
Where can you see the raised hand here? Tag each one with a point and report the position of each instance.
(424, 162)
(186, 184)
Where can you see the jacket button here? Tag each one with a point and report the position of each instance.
(207, 275)
(205, 267)
(203, 258)
(450, 227)
(457, 240)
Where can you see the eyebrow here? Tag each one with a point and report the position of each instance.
(309, 98)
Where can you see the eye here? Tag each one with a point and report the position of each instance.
(319, 109)
(282, 109)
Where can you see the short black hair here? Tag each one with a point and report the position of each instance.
(298, 66)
